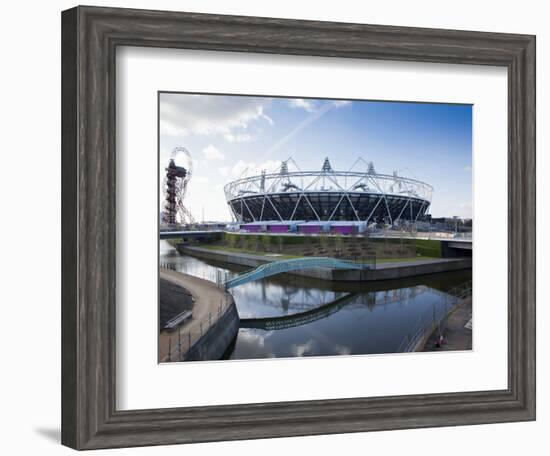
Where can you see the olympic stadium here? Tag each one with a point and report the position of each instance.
(328, 196)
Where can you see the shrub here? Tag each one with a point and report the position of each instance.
(429, 248)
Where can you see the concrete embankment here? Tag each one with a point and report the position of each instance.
(214, 343)
(212, 328)
(382, 271)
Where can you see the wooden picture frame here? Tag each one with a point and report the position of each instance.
(90, 37)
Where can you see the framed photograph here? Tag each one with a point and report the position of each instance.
(337, 258)
(279, 228)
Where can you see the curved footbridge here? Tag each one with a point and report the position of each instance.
(298, 319)
(371, 299)
(295, 264)
(370, 270)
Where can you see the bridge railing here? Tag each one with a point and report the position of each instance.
(295, 264)
(165, 265)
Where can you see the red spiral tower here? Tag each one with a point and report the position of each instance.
(178, 174)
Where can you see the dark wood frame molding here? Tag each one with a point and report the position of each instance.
(90, 36)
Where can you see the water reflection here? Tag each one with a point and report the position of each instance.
(376, 318)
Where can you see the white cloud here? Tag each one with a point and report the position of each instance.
(201, 180)
(308, 105)
(224, 170)
(465, 210)
(304, 349)
(341, 103)
(228, 116)
(314, 105)
(342, 349)
(211, 153)
(244, 169)
(462, 210)
(239, 137)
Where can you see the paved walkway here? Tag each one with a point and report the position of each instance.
(458, 331)
(207, 301)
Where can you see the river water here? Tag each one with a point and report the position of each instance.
(375, 317)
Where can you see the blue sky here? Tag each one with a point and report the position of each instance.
(232, 136)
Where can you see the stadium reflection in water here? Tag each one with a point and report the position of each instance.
(373, 318)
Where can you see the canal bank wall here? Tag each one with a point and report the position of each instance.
(383, 271)
(214, 343)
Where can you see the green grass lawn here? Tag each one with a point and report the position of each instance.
(226, 248)
(275, 255)
(395, 260)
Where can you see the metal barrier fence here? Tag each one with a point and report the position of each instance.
(182, 341)
(428, 235)
(439, 322)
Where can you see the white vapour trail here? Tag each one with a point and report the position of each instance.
(303, 124)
